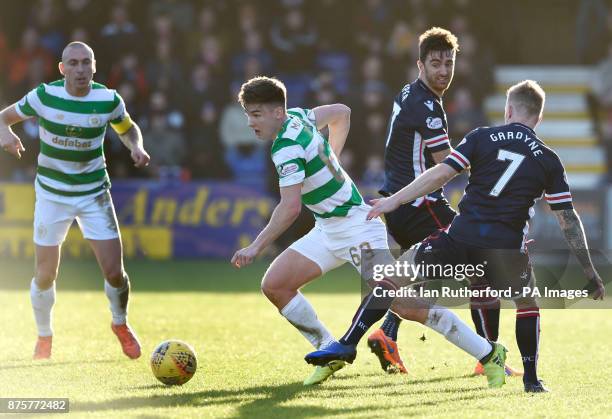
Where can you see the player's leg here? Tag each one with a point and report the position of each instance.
(445, 322)
(42, 297)
(304, 261)
(485, 313)
(527, 329)
(99, 225)
(51, 223)
(281, 284)
(442, 250)
(364, 245)
(109, 255)
(408, 226)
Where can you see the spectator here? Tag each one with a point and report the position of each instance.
(46, 20)
(164, 72)
(463, 115)
(165, 143)
(204, 146)
(86, 12)
(201, 90)
(129, 70)
(599, 101)
(252, 49)
(117, 37)
(244, 153)
(293, 41)
(29, 56)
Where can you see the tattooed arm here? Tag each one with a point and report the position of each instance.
(570, 224)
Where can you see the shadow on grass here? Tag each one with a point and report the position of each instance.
(22, 363)
(270, 401)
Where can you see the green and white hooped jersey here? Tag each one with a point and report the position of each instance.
(301, 154)
(71, 160)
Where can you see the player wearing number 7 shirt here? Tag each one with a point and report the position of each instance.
(510, 168)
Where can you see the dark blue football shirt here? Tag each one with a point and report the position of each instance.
(416, 129)
(510, 168)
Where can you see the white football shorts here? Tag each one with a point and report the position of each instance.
(95, 216)
(334, 241)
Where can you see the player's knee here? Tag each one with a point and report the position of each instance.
(45, 277)
(115, 276)
(266, 287)
(402, 310)
(273, 288)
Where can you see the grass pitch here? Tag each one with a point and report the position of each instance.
(251, 360)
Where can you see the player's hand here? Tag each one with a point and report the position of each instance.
(381, 206)
(140, 157)
(244, 256)
(12, 144)
(596, 287)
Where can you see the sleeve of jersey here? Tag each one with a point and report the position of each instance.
(289, 160)
(557, 194)
(120, 120)
(433, 129)
(459, 158)
(28, 105)
(303, 113)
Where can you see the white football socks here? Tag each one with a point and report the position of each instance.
(118, 298)
(445, 322)
(302, 316)
(42, 305)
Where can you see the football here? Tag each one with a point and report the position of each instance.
(173, 362)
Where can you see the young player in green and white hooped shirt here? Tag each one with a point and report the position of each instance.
(72, 183)
(309, 173)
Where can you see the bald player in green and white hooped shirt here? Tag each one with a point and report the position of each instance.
(309, 173)
(72, 183)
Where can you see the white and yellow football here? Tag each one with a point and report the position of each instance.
(173, 362)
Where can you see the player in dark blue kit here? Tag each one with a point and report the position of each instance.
(416, 141)
(510, 168)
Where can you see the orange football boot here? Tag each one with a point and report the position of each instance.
(386, 351)
(127, 339)
(42, 350)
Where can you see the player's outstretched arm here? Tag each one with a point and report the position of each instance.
(431, 180)
(338, 118)
(132, 139)
(571, 225)
(9, 141)
(439, 156)
(283, 216)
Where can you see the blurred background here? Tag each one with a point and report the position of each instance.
(211, 186)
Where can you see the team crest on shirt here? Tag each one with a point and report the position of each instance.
(429, 104)
(288, 169)
(433, 123)
(94, 121)
(73, 131)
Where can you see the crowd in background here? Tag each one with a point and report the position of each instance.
(179, 64)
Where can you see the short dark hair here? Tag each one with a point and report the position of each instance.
(528, 96)
(265, 90)
(436, 39)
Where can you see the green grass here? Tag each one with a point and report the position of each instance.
(251, 360)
